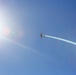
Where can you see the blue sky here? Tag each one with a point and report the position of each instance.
(49, 56)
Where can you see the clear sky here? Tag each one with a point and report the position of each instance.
(22, 51)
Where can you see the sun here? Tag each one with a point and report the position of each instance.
(4, 22)
(9, 27)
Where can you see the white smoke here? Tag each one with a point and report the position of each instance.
(61, 39)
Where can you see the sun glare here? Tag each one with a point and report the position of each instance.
(8, 25)
(4, 23)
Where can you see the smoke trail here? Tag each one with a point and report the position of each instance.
(61, 39)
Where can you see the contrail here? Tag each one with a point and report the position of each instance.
(61, 39)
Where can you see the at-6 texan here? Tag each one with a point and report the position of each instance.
(42, 35)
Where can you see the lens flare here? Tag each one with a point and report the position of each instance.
(21, 33)
(6, 31)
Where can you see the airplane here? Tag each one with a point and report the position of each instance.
(41, 35)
